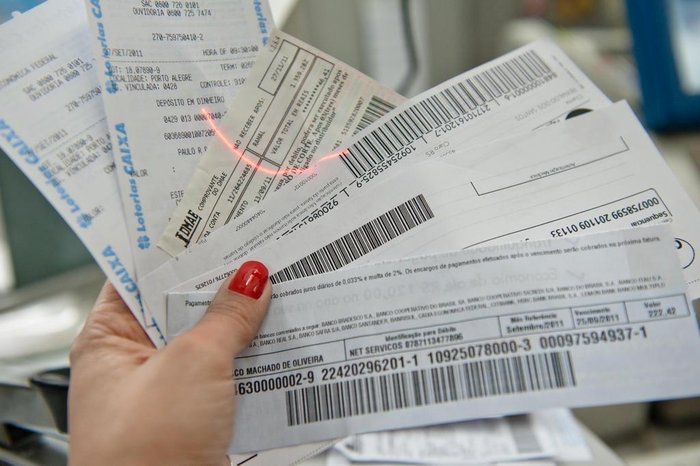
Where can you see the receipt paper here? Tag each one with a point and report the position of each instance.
(53, 126)
(159, 64)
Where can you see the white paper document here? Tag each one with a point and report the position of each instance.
(596, 172)
(298, 106)
(52, 125)
(551, 434)
(545, 434)
(505, 329)
(159, 63)
(526, 89)
(334, 458)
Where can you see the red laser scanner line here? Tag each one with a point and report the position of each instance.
(253, 164)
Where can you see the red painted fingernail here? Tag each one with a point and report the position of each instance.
(250, 279)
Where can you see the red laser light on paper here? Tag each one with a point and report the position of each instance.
(240, 155)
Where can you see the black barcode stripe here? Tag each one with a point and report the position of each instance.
(437, 385)
(390, 140)
(426, 115)
(376, 108)
(360, 241)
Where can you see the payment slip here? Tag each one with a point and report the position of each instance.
(598, 319)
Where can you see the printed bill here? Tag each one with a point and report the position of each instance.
(505, 329)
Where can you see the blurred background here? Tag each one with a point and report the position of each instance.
(644, 51)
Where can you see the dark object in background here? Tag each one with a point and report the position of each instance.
(665, 37)
(10, 6)
(33, 420)
(41, 243)
(53, 386)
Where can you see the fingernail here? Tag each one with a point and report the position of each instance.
(250, 279)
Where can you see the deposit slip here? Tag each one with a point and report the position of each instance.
(53, 126)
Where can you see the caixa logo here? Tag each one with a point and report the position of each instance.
(84, 220)
(111, 86)
(188, 227)
(143, 242)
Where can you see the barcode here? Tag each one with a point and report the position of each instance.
(423, 117)
(359, 242)
(422, 387)
(376, 109)
(524, 434)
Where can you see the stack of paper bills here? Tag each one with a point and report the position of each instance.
(505, 242)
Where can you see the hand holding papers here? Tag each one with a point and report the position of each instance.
(484, 159)
(53, 126)
(617, 183)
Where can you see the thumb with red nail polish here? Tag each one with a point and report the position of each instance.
(238, 309)
(133, 404)
(250, 279)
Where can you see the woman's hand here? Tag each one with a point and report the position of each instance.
(132, 404)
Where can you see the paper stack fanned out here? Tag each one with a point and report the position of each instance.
(475, 251)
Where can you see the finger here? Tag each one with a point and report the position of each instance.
(109, 300)
(108, 296)
(110, 317)
(237, 311)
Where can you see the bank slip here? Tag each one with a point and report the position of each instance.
(505, 329)
(305, 105)
(596, 172)
(526, 89)
(52, 125)
(159, 63)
